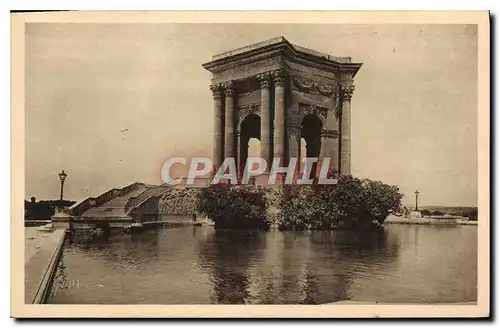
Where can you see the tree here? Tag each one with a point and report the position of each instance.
(380, 199)
(234, 207)
(351, 204)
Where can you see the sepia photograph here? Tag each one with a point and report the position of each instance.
(295, 164)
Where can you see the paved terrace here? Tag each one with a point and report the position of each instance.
(42, 253)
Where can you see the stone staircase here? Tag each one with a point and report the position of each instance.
(117, 204)
(115, 207)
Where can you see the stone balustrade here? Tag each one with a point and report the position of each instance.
(89, 202)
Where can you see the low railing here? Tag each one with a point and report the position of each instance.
(82, 206)
(140, 199)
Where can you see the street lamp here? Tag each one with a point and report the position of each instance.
(62, 176)
(416, 200)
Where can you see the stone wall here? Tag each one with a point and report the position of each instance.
(178, 202)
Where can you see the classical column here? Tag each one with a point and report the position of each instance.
(218, 141)
(345, 146)
(330, 147)
(294, 129)
(265, 118)
(279, 77)
(229, 150)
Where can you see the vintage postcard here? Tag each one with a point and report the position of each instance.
(250, 164)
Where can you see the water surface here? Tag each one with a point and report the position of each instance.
(197, 265)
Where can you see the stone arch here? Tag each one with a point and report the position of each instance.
(313, 110)
(311, 126)
(244, 115)
(248, 128)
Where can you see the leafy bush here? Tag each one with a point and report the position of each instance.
(234, 207)
(300, 209)
(351, 204)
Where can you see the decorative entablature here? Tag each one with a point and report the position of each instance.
(311, 85)
(253, 83)
(249, 61)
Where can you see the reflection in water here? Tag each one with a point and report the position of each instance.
(290, 267)
(196, 265)
(227, 256)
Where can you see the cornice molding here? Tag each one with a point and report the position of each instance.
(287, 50)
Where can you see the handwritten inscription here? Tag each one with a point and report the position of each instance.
(70, 286)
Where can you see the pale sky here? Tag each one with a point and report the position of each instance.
(414, 110)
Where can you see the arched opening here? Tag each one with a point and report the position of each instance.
(311, 134)
(249, 140)
(253, 147)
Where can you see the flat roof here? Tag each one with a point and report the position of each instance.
(277, 40)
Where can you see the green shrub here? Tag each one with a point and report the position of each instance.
(234, 207)
(351, 204)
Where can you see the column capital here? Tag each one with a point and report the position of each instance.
(346, 90)
(228, 88)
(279, 76)
(216, 90)
(264, 79)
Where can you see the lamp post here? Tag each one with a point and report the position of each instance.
(62, 177)
(416, 200)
